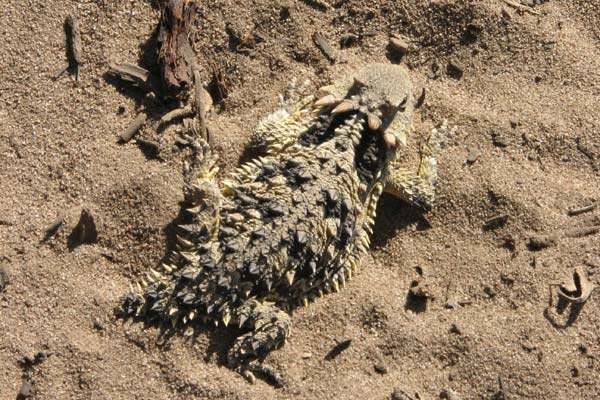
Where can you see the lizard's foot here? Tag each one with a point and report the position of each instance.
(418, 188)
(256, 368)
(271, 326)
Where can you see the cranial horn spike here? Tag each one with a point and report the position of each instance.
(325, 90)
(374, 122)
(390, 140)
(343, 107)
(325, 101)
(243, 319)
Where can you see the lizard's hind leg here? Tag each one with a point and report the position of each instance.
(270, 327)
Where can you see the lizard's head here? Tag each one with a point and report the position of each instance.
(380, 92)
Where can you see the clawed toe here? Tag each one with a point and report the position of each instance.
(258, 369)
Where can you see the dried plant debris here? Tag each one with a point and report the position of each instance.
(53, 228)
(495, 222)
(338, 349)
(542, 241)
(133, 74)
(579, 289)
(521, 7)
(4, 280)
(399, 44)
(323, 45)
(576, 211)
(134, 127)
(85, 230)
(27, 390)
(175, 56)
(399, 394)
(74, 48)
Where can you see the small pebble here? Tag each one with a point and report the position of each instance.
(398, 44)
(449, 394)
(473, 156)
(27, 391)
(348, 40)
(454, 328)
(98, 325)
(3, 277)
(455, 69)
(540, 242)
(399, 394)
(499, 140)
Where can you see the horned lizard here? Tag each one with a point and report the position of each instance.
(292, 224)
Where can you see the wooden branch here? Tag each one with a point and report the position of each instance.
(133, 74)
(133, 127)
(73, 44)
(175, 56)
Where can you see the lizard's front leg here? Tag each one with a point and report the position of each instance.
(418, 189)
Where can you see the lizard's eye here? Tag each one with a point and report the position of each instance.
(402, 105)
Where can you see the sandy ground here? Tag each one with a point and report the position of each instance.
(526, 146)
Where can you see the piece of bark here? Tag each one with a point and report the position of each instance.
(338, 349)
(576, 211)
(200, 105)
(74, 49)
(579, 289)
(133, 74)
(4, 280)
(583, 231)
(521, 7)
(133, 127)
(325, 47)
(172, 115)
(175, 56)
(85, 231)
(53, 227)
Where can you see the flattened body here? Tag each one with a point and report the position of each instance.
(289, 225)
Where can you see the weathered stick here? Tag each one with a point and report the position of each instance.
(521, 7)
(133, 74)
(583, 231)
(175, 56)
(174, 114)
(74, 50)
(325, 47)
(71, 27)
(53, 227)
(577, 211)
(200, 105)
(133, 127)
